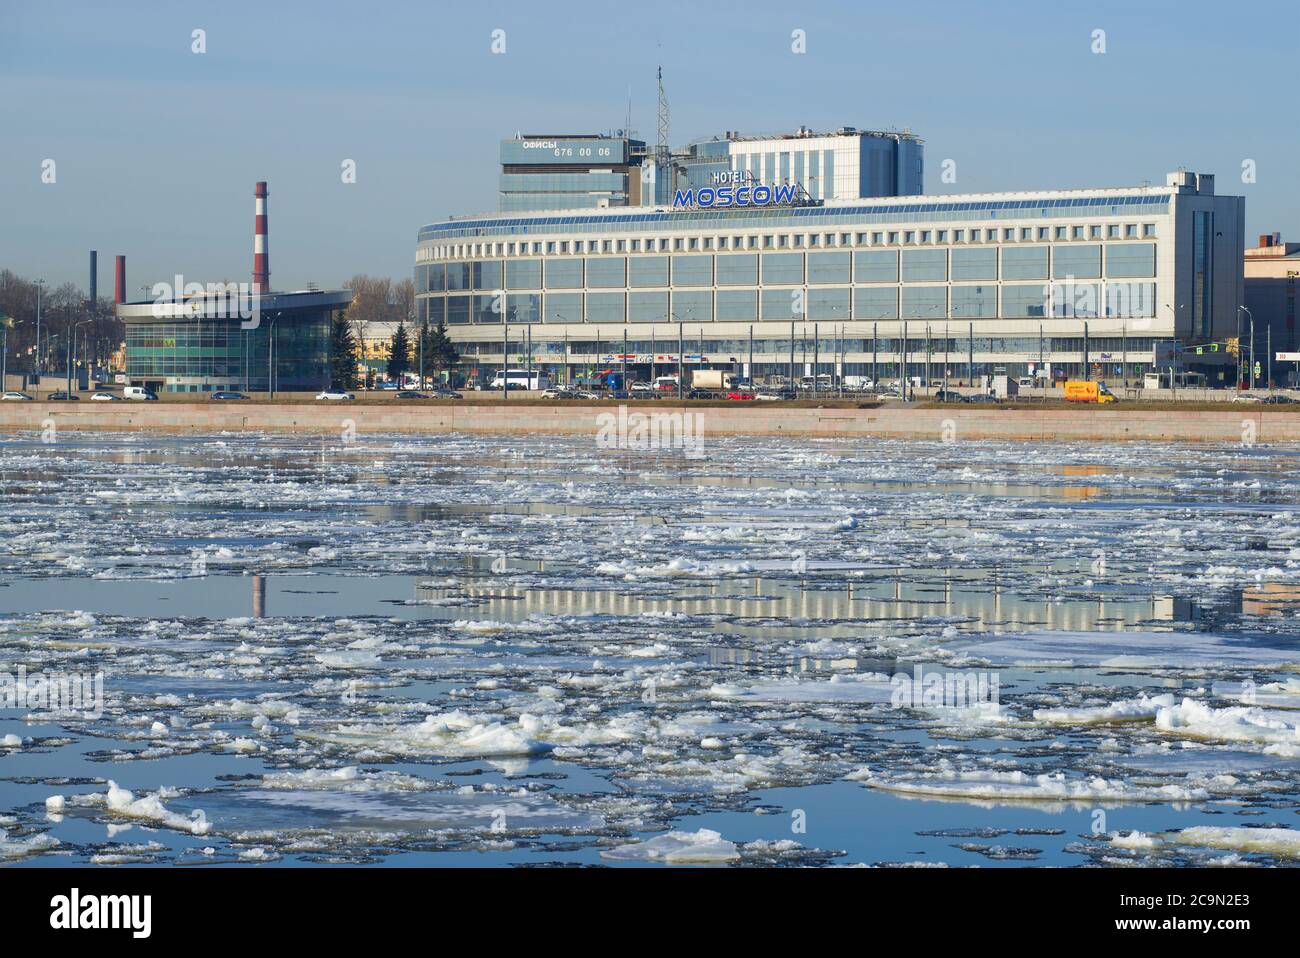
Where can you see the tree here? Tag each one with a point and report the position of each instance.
(399, 354)
(439, 351)
(343, 352)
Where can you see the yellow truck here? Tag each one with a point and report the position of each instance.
(1079, 390)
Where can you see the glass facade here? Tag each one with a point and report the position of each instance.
(958, 282)
(211, 355)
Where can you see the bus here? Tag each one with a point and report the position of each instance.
(522, 379)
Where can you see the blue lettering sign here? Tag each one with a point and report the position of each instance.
(723, 197)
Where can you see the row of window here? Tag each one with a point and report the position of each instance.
(831, 304)
(827, 345)
(804, 218)
(1086, 261)
(769, 241)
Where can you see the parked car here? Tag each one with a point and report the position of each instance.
(947, 395)
(15, 397)
(412, 394)
(141, 393)
(772, 395)
(389, 386)
(62, 396)
(105, 397)
(643, 389)
(1247, 397)
(223, 395)
(982, 397)
(1277, 399)
(335, 395)
(443, 392)
(742, 395)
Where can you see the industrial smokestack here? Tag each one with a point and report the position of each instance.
(261, 255)
(119, 280)
(94, 278)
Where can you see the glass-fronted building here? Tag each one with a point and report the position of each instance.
(569, 171)
(1050, 282)
(208, 343)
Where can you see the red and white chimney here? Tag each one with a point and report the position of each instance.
(261, 255)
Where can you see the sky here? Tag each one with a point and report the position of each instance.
(156, 148)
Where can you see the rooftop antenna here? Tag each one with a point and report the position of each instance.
(661, 145)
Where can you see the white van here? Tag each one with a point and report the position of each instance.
(138, 392)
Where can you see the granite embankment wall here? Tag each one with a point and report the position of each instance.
(960, 423)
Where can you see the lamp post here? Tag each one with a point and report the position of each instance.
(270, 359)
(5, 323)
(681, 339)
(72, 349)
(40, 287)
(1250, 367)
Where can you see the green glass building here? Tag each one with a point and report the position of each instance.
(224, 340)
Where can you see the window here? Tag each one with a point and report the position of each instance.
(876, 266)
(1024, 262)
(975, 264)
(925, 302)
(1131, 300)
(457, 277)
(562, 308)
(692, 270)
(737, 305)
(524, 307)
(924, 265)
(692, 306)
(782, 269)
(782, 304)
(739, 269)
(1082, 300)
(605, 307)
(647, 271)
(525, 274)
(880, 302)
(563, 273)
(974, 302)
(1131, 259)
(1077, 261)
(647, 307)
(828, 268)
(607, 272)
(828, 304)
(1024, 301)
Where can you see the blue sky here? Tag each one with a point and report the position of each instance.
(157, 148)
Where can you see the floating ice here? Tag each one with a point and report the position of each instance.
(677, 848)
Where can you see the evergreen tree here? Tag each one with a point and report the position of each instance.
(343, 353)
(399, 353)
(439, 351)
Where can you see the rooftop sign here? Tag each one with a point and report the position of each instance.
(736, 188)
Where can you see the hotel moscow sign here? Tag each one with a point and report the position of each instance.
(736, 188)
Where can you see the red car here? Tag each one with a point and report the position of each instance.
(742, 395)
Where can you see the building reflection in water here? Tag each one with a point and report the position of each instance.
(259, 596)
(767, 605)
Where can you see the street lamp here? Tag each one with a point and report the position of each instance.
(72, 348)
(40, 287)
(5, 323)
(1250, 368)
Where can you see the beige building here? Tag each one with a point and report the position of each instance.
(1271, 270)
